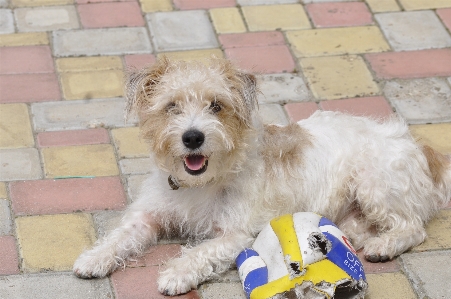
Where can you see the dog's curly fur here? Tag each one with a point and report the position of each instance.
(235, 174)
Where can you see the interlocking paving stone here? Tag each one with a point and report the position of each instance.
(109, 41)
(29, 88)
(53, 242)
(54, 286)
(227, 20)
(79, 114)
(5, 218)
(81, 160)
(136, 166)
(111, 14)
(252, 39)
(272, 17)
(282, 88)
(336, 41)
(135, 183)
(264, 2)
(383, 5)
(439, 233)
(31, 59)
(6, 21)
(375, 107)
(420, 100)
(3, 191)
(339, 14)
(4, 3)
(338, 77)
(201, 4)
(20, 164)
(139, 61)
(76, 137)
(413, 30)
(157, 255)
(445, 16)
(85, 64)
(24, 39)
(9, 260)
(397, 283)
(412, 64)
(422, 269)
(424, 4)
(15, 126)
(21, 3)
(298, 111)
(155, 5)
(106, 221)
(181, 30)
(67, 195)
(129, 144)
(232, 290)
(377, 268)
(273, 114)
(200, 55)
(437, 136)
(46, 18)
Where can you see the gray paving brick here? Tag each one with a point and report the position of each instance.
(273, 114)
(429, 272)
(110, 41)
(20, 164)
(79, 114)
(413, 30)
(106, 221)
(3, 3)
(233, 290)
(181, 30)
(282, 89)
(46, 18)
(136, 166)
(420, 100)
(53, 286)
(135, 183)
(5, 218)
(6, 21)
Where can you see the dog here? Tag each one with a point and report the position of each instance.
(222, 175)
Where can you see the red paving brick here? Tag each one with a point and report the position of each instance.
(19, 60)
(413, 64)
(298, 111)
(269, 59)
(203, 4)
(376, 107)
(9, 261)
(141, 283)
(157, 255)
(372, 268)
(139, 61)
(254, 39)
(112, 14)
(29, 88)
(77, 137)
(445, 15)
(339, 14)
(67, 195)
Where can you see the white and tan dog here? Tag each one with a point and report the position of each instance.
(223, 175)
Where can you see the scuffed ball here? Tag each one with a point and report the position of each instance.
(305, 256)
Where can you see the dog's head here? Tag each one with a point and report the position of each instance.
(197, 118)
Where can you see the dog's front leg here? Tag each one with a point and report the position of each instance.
(199, 263)
(137, 230)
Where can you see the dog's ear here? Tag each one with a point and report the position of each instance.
(140, 85)
(248, 89)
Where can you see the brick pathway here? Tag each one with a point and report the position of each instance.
(61, 115)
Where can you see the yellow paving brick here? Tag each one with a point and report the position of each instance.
(129, 144)
(439, 233)
(201, 55)
(22, 3)
(3, 193)
(389, 286)
(337, 41)
(437, 136)
(424, 4)
(227, 20)
(383, 5)
(95, 84)
(24, 39)
(53, 242)
(84, 160)
(272, 17)
(15, 126)
(84, 64)
(155, 5)
(338, 77)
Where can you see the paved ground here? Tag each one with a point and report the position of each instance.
(61, 115)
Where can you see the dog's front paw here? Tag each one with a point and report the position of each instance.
(94, 263)
(176, 280)
(377, 250)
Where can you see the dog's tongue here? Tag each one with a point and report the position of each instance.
(194, 162)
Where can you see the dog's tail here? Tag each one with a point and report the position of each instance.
(440, 168)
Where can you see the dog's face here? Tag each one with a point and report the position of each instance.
(197, 118)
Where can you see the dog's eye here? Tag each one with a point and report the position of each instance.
(215, 107)
(172, 108)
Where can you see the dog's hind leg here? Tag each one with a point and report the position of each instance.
(137, 230)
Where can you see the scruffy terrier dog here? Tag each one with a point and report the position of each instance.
(222, 175)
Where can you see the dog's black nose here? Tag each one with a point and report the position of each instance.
(193, 139)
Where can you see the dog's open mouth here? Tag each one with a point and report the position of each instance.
(195, 164)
